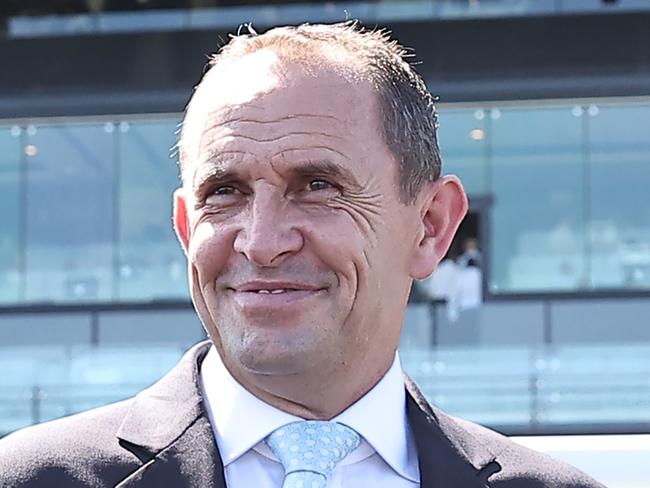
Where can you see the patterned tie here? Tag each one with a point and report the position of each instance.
(309, 450)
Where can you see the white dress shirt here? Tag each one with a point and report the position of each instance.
(385, 458)
(468, 291)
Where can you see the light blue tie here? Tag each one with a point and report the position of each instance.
(310, 449)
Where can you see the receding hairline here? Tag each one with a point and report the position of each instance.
(310, 43)
(407, 111)
(291, 66)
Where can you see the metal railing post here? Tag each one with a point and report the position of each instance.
(36, 404)
(533, 391)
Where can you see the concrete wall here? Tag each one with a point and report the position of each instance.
(496, 323)
(531, 323)
(120, 327)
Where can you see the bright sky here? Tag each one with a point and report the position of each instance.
(617, 461)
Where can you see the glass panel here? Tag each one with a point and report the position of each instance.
(487, 385)
(50, 382)
(620, 205)
(152, 265)
(520, 386)
(15, 410)
(69, 251)
(11, 279)
(606, 320)
(462, 143)
(538, 214)
(579, 380)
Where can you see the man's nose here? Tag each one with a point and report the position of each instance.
(268, 235)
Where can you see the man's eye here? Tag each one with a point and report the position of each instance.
(317, 185)
(225, 190)
(222, 195)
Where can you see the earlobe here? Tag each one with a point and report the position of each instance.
(445, 206)
(181, 219)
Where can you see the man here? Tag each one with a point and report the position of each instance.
(311, 199)
(470, 251)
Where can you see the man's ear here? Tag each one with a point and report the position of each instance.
(181, 219)
(444, 206)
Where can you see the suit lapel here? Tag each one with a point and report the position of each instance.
(448, 455)
(168, 430)
(191, 460)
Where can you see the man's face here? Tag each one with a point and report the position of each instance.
(298, 245)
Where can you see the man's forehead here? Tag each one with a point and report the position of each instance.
(237, 80)
(232, 83)
(262, 85)
(224, 87)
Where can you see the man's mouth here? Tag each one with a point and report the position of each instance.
(276, 291)
(274, 287)
(266, 295)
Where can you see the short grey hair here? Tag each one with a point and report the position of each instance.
(407, 110)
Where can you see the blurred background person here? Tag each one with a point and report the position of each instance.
(471, 252)
(442, 281)
(466, 291)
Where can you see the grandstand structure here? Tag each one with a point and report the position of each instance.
(544, 109)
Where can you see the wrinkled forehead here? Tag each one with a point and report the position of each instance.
(265, 86)
(225, 86)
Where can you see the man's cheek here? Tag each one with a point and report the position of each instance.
(208, 258)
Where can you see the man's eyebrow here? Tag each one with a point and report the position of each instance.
(325, 168)
(214, 169)
(210, 173)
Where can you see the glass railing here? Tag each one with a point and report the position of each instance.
(516, 389)
(111, 179)
(47, 382)
(538, 389)
(535, 365)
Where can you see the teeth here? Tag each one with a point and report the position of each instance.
(273, 292)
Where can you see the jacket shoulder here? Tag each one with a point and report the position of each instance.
(521, 467)
(77, 451)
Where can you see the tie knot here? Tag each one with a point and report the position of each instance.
(312, 445)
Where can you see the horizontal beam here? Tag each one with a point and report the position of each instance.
(462, 60)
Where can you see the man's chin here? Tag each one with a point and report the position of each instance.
(275, 359)
(274, 345)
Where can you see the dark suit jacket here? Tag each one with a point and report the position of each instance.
(162, 438)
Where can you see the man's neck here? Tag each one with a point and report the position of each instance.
(315, 396)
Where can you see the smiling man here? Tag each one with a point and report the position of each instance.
(311, 199)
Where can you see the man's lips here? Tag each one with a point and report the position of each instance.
(274, 287)
(266, 295)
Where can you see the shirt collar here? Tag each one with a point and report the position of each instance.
(230, 407)
(375, 415)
